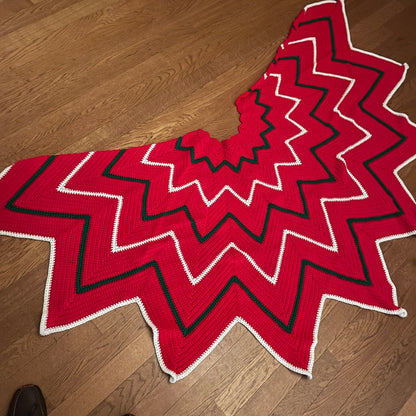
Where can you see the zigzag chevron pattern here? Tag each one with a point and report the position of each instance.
(258, 230)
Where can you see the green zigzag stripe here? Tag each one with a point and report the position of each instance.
(378, 71)
(367, 163)
(254, 160)
(259, 238)
(80, 288)
(186, 330)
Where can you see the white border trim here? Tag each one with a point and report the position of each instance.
(5, 171)
(308, 6)
(174, 377)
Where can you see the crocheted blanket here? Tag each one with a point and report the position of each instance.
(259, 229)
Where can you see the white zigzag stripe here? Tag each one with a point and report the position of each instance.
(4, 172)
(44, 330)
(318, 3)
(249, 200)
(272, 278)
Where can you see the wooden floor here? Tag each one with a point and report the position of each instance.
(106, 74)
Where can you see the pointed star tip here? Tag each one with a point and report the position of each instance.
(402, 313)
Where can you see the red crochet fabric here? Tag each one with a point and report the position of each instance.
(259, 229)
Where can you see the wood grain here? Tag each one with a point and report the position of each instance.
(410, 407)
(81, 75)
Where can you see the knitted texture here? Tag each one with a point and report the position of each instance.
(259, 229)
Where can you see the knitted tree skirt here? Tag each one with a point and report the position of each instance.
(259, 229)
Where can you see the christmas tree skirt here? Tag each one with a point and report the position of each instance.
(259, 229)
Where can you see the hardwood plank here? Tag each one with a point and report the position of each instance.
(302, 394)
(81, 75)
(393, 362)
(167, 396)
(22, 351)
(25, 256)
(213, 410)
(396, 392)
(237, 392)
(247, 399)
(132, 390)
(207, 389)
(18, 317)
(83, 399)
(10, 7)
(85, 360)
(409, 408)
(13, 44)
(145, 389)
(335, 318)
(157, 86)
(356, 349)
(28, 15)
(42, 369)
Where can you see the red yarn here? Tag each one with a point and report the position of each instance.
(259, 229)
